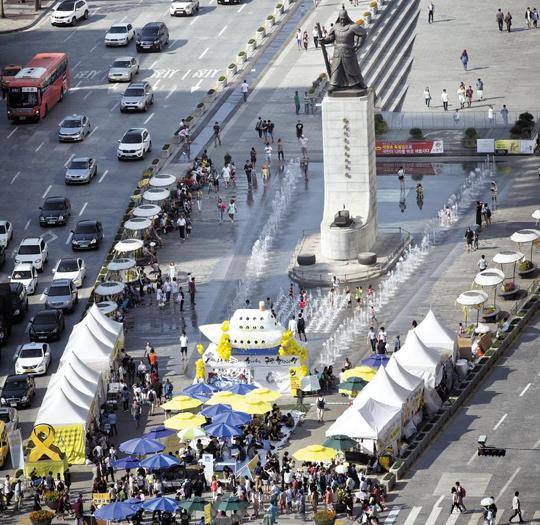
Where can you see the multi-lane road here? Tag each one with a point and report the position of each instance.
(33, 160)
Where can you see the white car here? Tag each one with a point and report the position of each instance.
(183, 7)
(32, 359)
(33, 250)
(69, 12)
(26, 274)
(71, 268)
(123, 69)
(6, 232)
(119, 35)
(134, 144)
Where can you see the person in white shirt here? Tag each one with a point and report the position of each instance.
(444, 98)
(491, 115)
(516, 508)
(482, 263)
(183, 345)
(174, 290)
(245, 89)
(292, 325)
(268, 152)
(427, 97)
(172, 271)
(226, 174)
(372, 338)
(304, 144)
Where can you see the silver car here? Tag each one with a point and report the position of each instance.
(62, 294)
(137, 97)
(74, 128)
(123, 69)
(80, 170)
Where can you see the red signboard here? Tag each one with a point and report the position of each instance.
(426, 147)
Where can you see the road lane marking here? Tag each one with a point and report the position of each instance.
(69, 160)
(94, 48)
(83, 208)
(149, 119)
(525, 390)
(27, 329)
(96, 128)
(472, 457)
(39, 147)
(439, 501)
(499, 423)
(204, 52)
(27, 225)
(475, 518)
(194, 20)
(241, 8)
(78, 83)
(42, 296)
(123, 20)
(392, 515)
(49, 188)
(537, 444)
(97, 9)
(171, 92)
(15, 177)
(507, 484)
(103, 176)
(185, 75)
(196, 86)
(222, 31)
(412, 515)
(69, 36)
(171, 43)
(432, 518)
(153, 64)
(87, 95)
(157, 82)
(15, 129)
(68, 240)
(76, 65)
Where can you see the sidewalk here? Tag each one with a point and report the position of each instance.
(21, 16)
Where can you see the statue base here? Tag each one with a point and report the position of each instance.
(349, 173)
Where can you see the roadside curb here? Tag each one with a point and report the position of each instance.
(36, 21)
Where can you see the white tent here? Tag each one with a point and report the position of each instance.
(436, 336)
(86, 345)
(98, 330)
(82, 369)
(401, 376)
(421, 361)
(384, 389)
(81, 384)
(113, 327)
(372, 420)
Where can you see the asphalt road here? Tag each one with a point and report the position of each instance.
(33, 160)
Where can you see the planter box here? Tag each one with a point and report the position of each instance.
(221, 83)
(231, 72)
(240, 59)
(278, 12)
(268, 25)
(250, 48)
(166, 153)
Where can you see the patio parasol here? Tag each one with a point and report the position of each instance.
(233, 418)
(128, 245)
(160, 503)
(158, 432)
(188, 434)
(156, 194)
(472, 299)
(116, 511)
(137, 223)
(184, 420)
(315, 453)
(223, 430)
(159, 462)
(196, 503)
(109, 288)
(340, 442)
(352, 386)
(146, 210)
(376, 360)
(223, 397)
(242, 389)
(526, 236)
(180, 403)
(231, 503)
(252, 407)
(367, 373)
(263, 394)
(141, 446)
(508, 257)
(214, 410)
(201, 391)
(127, 462)
(488, 278)
(123, 263)
(162, 180)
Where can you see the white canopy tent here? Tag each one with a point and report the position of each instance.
(384, 389)
(401, 376)
(61, 406)
(69, 373)
(114, 328)
(89, 348)
(437, 337)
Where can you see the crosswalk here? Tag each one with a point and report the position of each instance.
(438, 515)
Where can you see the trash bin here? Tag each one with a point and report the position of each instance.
(267, 519)
(462, 368)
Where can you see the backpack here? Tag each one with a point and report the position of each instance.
(320, 403)
(463, 492)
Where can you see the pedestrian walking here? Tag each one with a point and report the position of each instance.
(280, 153)
(304, 144)
(401, 178)
(245, 89)
(305, 40)
(464, 59)
(304, 166)
(248, 170)
(270, 130)
(299, 39)
(528, 17)
(468, 239)
(479, 206)
(493, 191)
(301, 327)
(231, 210)
(253, 157)
(291, 326)
(535, 17)
(461, 92)
(181, 225)
(444, 98)
(482, 263)
(480, 89)
(455, 500)
(307, 103)
(192, 290)
(427, 97)
(217, 134)
(382, 338)
(226, 175)
(491, 116)
(320, 408)
(504, 114)
(431, 12)
(258, 127)
(183, 345)
(315, 34)
(500, 19)
(358, 293)
(299, 129)
(508, 21)
(264, 129)
(461, 492)
(372, 339)
(469, 95)
(268, 153)
(221, 209)
(297, 102)
(516, 508)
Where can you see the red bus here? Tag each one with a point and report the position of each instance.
(38, 86)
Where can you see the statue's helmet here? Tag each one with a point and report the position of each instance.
(344, 16)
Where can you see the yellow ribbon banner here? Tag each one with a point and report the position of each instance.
(42, 437)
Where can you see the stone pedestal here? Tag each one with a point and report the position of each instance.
(349, 174)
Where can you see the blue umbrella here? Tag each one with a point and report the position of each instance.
(232, 418)
(159, 461)
(134, 502)
(127, 462)
(214, 410)
(159, 432)
(115, 511)
(242, 388)
(223, 430)
(200, 391)
(376, 360)
(141, 446)
(160, 503)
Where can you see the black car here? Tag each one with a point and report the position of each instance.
(154, 36)
(19, 300)
(55, 211)
(87, 235)
(2, 255)
(47, 325)
(18, 391)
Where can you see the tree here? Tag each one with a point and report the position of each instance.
(2, 10)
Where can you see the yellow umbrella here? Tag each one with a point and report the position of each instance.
(251, 406)
(263, 394)
(179, 403)
(184, 420)
(223, 397)
(363, 372)
(315, 453)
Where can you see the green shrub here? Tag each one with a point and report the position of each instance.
(381, 126)
(242, 54)
(232, 66)
(526, 116)
(200, 105)
(416, 133)
(366, 13)
(221, 78)
(525, 265)
(41, 515)
(210, 91)
(251, 41)
(469, 138)
(279, 6)
(260, 29)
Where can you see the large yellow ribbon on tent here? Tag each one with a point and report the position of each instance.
(42, 437)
